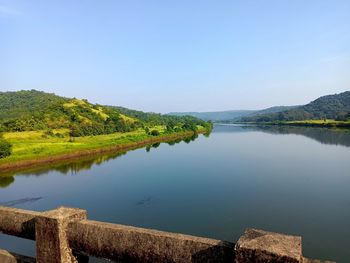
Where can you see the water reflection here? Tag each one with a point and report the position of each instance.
(63, 167)
(5, 181)
(322, 135)
(21, 201)
(75, 166)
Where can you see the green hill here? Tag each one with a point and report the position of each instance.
(36, 110)
(335, 107)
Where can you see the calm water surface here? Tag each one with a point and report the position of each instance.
(283, 179)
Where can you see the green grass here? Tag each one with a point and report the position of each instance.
(127, 118)
(33, 145)
(100, 112)
(320, 122)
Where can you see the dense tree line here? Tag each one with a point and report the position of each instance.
(160, 119)
(5, 147)
(36, 110)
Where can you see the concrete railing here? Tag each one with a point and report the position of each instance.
(64, 235)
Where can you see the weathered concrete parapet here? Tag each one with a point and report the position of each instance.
(18, 222)
(63, 232)
(51, 235)
(131, 244)
(265, 247)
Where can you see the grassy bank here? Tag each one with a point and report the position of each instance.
(307, 123)
(320, 123)
(37, 147)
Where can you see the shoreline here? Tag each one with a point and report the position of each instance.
(297, 124)
(42, 161)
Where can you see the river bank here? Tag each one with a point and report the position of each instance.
(37, 151)
(305, 123)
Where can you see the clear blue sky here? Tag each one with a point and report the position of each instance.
(178, 55)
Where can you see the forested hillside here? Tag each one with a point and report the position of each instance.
(336, 107)
(37, 110)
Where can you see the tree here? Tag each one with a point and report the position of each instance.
(190, 126)
(5, 148)
(74, 131)
(155, 133)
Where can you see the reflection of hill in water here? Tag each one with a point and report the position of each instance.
(76, 165)
(67, 167)
(322, 135)
(6, 181)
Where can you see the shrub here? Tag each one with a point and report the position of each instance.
(5, 148)
(59, 135)
(49, 133)
(155, 133)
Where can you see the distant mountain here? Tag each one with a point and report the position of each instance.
(335, 107)
(274, 109)
(216, 115)
(231, 115)
(36, 110)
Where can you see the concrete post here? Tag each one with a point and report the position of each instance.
(51, 237)
(262, 246)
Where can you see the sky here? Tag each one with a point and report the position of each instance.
(177, 55)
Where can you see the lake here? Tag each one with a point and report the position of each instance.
(294, 180)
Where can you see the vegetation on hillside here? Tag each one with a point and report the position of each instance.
(35, 110)
(38, 125)
(334, 107)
